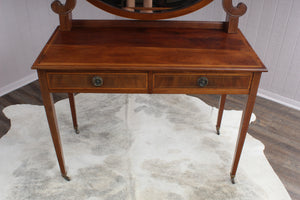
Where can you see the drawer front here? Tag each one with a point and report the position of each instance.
(206, 82)
(108, 82)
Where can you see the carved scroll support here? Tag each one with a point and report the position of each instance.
(233, 14)
(65, 13)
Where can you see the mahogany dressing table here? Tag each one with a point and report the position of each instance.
(148, 56)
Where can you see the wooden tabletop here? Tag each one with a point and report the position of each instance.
(147, 48)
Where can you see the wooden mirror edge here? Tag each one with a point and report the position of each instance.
(65, 13)
(233, 14)
(149, 16)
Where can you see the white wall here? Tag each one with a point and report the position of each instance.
(271, 26)
(273, 29)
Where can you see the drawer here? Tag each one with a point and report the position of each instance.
(108, 82)
(208, 82)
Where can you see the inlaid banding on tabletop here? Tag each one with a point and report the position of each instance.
(84, 54)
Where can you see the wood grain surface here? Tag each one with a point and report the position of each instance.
(142, 48)
(112, 82)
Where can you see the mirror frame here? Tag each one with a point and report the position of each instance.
(149, 16)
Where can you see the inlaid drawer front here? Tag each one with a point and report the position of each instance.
(202, 81)
(97, 81)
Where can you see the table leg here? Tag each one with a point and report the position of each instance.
(220, 115)
(52, 121)
(73, 111)
(245, 124)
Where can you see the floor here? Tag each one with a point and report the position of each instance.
(276, 126)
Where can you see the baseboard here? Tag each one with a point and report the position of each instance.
(279, 99)
(17, 84)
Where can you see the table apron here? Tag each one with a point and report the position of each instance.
(149, 82)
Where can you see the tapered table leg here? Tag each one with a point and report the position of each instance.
(52, 121)
(221, 110)
(73, 111)
(245, 124)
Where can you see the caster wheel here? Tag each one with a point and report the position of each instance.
(66, 177)
(218, 130)
(232, 179)
(76, 130)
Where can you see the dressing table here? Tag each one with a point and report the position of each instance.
(148, 55)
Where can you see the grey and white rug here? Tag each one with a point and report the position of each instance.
(133, 147)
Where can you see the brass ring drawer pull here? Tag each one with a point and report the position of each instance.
(202, 82)
(97, 81)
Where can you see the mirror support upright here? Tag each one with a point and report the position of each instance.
(65, 13)
(233, 14)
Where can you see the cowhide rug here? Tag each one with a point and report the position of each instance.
(137, 147)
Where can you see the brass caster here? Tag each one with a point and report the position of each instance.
(66, 177)
(76, 130)
(232, 179)
(218, 130)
